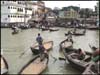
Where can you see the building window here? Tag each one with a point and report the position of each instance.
(8, 15)
(19, 2)
(8, 7)
(20, 10)
(3, 2)
(30, 8)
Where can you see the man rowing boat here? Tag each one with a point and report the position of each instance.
(43, 52)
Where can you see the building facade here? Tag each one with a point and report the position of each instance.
(39, 10)
(69, 13)
(16, 11)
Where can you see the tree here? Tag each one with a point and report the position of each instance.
(85, 13)
(56, 10)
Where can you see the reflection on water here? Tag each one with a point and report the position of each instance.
(15, 45)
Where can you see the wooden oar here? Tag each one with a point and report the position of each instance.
(23, 52)
(53, 57)
(61, 58)
(90, 46)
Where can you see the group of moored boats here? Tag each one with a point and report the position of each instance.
(16, 29)
(35, 66)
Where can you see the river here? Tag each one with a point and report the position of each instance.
(14, 45)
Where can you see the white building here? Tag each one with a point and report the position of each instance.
(39, 10)
(14, 11)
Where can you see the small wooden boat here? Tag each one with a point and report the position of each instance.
(53, 29)
(14, 32)
(76, 33)
(44, 29)
(34, 66)
(66, 44)
(92, 69)
(4, 66)
(76, 63)
(24, 27)
(47, 45)
(93, 28)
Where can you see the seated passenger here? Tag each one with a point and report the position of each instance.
(81, 55)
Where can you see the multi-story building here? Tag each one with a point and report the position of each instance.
(16, 11)
(39, 10)
(69, 13)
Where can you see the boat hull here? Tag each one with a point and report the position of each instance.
(69, 44)
(35, 49)
(4, 64)
(78, 64)
(34, 66)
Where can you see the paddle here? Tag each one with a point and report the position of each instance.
(61, 58)
(53, 57)
(23, 53)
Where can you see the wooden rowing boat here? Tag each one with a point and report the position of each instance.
(34, 66)
(14, 32)
(53, 29)
(76, 63)
(4, 66)
(76, 33)
(47, 45)
(66, 44)
(44, 29)
(92, 69)
(93, 28)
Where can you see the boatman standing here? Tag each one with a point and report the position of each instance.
(39, 39)
(69, 38)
